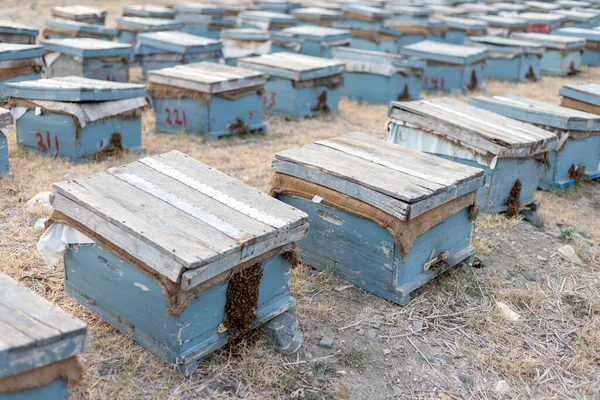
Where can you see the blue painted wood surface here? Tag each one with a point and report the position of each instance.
(311, 41)
(366, 255)
(134, 303)
(586, 93)
(15, 29)
(555, 62)
(317, 16)
(414, 31)
(11, 51)
(591, 54)
(458, 29)
(111, 69)
(56, 390)
(4, 166)
(149, 11)
(266, 20)
(18, 78)
(440, 77)
(177, 42)
(57, 28)
(87, 47)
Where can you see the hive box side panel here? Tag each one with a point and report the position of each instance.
(527, 171)
(56, 390)
(181, 115)
(114, 71)
(307, 101)
(17, 38)
(235, 116)
(407, 39)
(581, 153)
(530, 67)
(386, 46)
(503, 69)
(48, 133)
(556, 63)
(65, 65)
(591, 58)
(379, 89)
(4, 169)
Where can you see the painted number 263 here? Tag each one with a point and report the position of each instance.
(179, 119)
(47, 145)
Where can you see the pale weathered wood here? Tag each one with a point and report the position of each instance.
(296, 65)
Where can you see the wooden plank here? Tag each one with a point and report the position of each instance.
(149, 24)
(178, 42)
(13, 27)
(445, 52)
(30, 327)
(317, 32)
(550, 41)
(87, 47)
(12, 51)
(75, 26)
(293, 66)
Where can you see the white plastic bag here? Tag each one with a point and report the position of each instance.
(54, 242)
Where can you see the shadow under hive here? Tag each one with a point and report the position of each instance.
(184, 257)
(563, 54)
(14, 32)
(314, 41)
(19, 62)
(578, 149)
(77, 117)
(507, 150)
(383, 217)
(207, 99)
(40, 343)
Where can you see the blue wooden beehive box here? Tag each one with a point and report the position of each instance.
(375, 77)
(185, 257)
(88, 58)
(232, 8)
(317, 16)
(129, 27)
(413, 31)
(77, 117)
(165, 49)
(511, 8)
(90, 15)
(314, 41)
(563, 55)
(362, 195)
(149, 11)
(63, 28)
(265, 20)
(578, 151)
(449, 66)
(282, 6)
(510, 59)
(507, 150)
(573, 4)
(445, 10)
(252, 40)
(503, 25)
(198, 18)
(479, 9)
(580, 18)
(584, 97)
(542, 6)
(406, 12)
(14, 32)
(40, 344)
(207, 99)
(459, 29)
(591, 54)
(371, 38)
(538, 22)
(298, 85)
(5, 119)
(365, 17)
(20, 62)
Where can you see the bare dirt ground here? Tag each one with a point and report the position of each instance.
(451, 342)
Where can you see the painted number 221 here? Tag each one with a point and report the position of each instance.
(177, 120)
(48, 144)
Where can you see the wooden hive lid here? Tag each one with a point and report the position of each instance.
(409, 10)
(479, 8)
(178, 42)
(149, 10)
(245, 34)
(542, 6)
(580, 15)
(475, 128)
(377, 62)
(87, 47)
(5, 117)
(8, 26)
(199, 8)
(207, 77)
(574, 4)
(297, 67)
(270, 16)
(503, 21)
(317, 12)
(512, 7)
(499, 43)
(590, 35)
(550, 41)
(180, 217)
(542, 18)
(367, 11)
(76, 26)
(445, 52)
(149, 24)
(12, 51)
(319, 32)
(33, 331)
(397, 180)
(464, 23)
(78, 12)
(441, 10)
(540, 113)
(74, 89)
(587, 93)
(430, 23)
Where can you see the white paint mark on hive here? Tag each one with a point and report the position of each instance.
(143, 287)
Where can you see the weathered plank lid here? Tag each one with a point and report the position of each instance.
(74, 89)
(400, 10)
(318, 33)
(512, 7)
(573, 4)
(480, 8)
(180, 217)
(587, 93)
(367, 11)
(148, 24)
(399, 181)
(87, 47)
(15, 28)
(441, 10)
(504, 21)
(464, 24)
(297, 67)
(591, 16)
(376, 62)
(481, 131)
(148, 11)
(537, 18)
(590, 35)
(407, 24)
(33, 331)
(550, 41)
(199, 8)
(539, 113)
(542, 6)
(78, 13)
(82, 27)
(445, 52)
(508, 45)
(245, 34)
(5, 117)
(11, 51)
(207, 77)
(317, 12)
(178, 42)
(269, 16)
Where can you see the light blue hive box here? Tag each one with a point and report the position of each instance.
(354, 188)
(563, 55)
(265, 20)
(591, 54)
(282, 6)
(232, 8)
(317, 16)
(90, 15)
(445, 10)
(149, 11)
(580, 18)
(371, 38)
(156, 50)
(578, 136)
(14, 32)
(573, 4)
(171, 235)
(20, 62)
(77, 117)
(298, 85)
(458, 29)
(5, 119)
(506, 149)
(414, 31)
(538, 22)
(314, 41)
(375, 77)
(40, 344)
(542, 6)
(207, 99)
(449, 66)
(510, 59)
(405, 12)
(503, 25)
(129, 27)
(197, 18)
(479, 9)
(365, 17)
(247, 40)
(231, 55)
(511, 8)
(584, 97)
(63, 28)
(88, 58)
